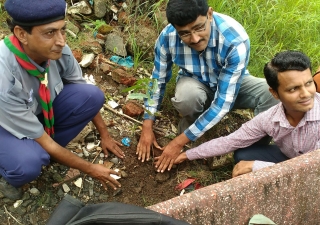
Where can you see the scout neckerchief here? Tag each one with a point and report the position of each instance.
(13, 44)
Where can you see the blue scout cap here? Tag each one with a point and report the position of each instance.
(35, 12)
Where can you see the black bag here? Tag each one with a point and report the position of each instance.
(71, 211)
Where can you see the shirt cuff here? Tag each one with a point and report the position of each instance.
(257, 165)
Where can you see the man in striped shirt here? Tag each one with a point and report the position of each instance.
(294, 123)
(212, 52)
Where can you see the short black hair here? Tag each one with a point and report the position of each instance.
(284, 61)
(12, 24)
(183, 12)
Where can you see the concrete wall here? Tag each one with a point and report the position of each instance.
(287, 193)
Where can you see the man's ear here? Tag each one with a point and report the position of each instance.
(210, 12)
(21, 34)
(274, 93)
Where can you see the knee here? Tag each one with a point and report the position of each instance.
(26, 170)
(95, 94)
(23, 174)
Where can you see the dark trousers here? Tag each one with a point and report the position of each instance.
(21, 160)
(266, 153)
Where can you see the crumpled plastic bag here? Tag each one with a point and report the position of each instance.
(127, 62)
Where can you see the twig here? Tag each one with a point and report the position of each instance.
(5, 209)
(86, 174)
(132, 119)
(112, 63)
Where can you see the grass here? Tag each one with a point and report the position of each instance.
(274, 26)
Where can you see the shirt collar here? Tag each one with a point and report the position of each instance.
(312, 115)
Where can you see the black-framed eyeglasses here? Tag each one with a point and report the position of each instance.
(199, 29)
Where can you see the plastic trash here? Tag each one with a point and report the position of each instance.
(126, 141)
(127, 62)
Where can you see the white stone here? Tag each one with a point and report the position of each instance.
(114, 8)
(65, 188)
(85, 152)
(113, 104)
(86, 60)
(78, 182)
(90, 146)
(80, 7)
(34, 191)
(17, 203)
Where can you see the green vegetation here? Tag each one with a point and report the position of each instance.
(274, 26)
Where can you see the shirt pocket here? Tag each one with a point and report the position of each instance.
(59, 87)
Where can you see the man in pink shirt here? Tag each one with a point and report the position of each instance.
(294, 123)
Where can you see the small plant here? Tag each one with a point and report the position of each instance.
(143, 90)
(138, 53)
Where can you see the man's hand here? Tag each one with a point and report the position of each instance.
(108, 143)
(182, 157)
(170, 153)
(242, 167)
(102, 173)
(65, 157)
(147, 139)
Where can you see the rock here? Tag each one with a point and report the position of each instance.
(86, 60)
(65, 188)
(123, 174)
(122, 77)
(78, 182)
(117, 192)
(80, 8)
(17, 203)
(34, 191)
(77, 53)
(105, 29)
(73, 28)
(114, 160)
(100, 8)
(162, 177)
(133, 109)
(108, 164)
(90, 137)
(91, 46)
(115, 44)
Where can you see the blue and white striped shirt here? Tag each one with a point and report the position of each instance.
(221, 66)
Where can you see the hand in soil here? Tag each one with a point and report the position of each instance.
(182, 157)
(170, 153)
(102, 173)
(108, 143)
(167, 158)
(147, 139)
(242, 167)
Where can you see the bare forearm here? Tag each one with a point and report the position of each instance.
(100, 125)
(62, 155)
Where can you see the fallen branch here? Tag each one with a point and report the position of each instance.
(156, 129)
(7, 212)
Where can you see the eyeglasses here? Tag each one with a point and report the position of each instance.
(187, 35)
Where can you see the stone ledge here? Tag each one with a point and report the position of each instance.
(287, 193)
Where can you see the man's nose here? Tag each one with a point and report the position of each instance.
(60, 38)
(194, 37)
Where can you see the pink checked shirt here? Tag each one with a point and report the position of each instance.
(293, 141)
